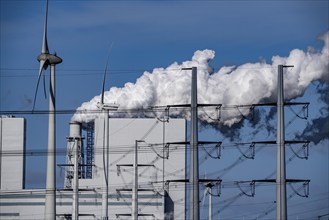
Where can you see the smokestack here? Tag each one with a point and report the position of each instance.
(75, 129)
(75, 141)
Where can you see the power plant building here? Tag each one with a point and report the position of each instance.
(161, 172)
(12, 141)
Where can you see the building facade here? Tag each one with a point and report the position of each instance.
(160, 181)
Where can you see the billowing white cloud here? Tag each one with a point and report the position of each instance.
(250, 83)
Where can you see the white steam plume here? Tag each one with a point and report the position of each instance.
(250, 83)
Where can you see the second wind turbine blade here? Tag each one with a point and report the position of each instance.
(104, 79)
(44, 85)
(43, 67)
(36, 91)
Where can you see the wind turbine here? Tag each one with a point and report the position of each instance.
(106, 148)
(207, 190)
(46, 59)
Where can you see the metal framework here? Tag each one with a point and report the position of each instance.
(89, 150)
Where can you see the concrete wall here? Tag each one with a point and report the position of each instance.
(12, 146)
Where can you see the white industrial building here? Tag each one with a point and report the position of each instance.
(12, 141)
(161, 171)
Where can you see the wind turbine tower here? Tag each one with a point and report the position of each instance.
(46, 59)
(105, 110)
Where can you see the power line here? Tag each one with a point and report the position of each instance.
(115, 149)
(92, 72)
(163, 108)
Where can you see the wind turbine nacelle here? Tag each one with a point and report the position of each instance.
(209, 184)
(50, 58)
(110, 107)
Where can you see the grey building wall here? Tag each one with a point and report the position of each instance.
(12, 148)
(153, 173)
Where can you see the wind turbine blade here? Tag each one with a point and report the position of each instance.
(44, 85)
(43, 67)
(44, 42)
(204, 196)
(36, 91)
(103, 86)
(205, 190)
(104, 78)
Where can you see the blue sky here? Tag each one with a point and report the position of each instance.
(151, 34)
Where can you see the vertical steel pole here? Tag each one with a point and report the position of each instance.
(194, 163)
(163, 153)
(107, 142)
(134, 197)
(105, 199)
(50, 205)
(76, 180)
(281, 199)
(0, 149)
